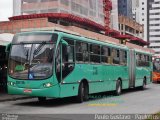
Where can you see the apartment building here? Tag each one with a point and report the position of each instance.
(154, 25)
(140, 15)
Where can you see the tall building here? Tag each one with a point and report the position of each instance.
(125, 8)
(114, 15)
(154, 25)
(133, 19)
(135, 6)
(91, 9)
(17, 7)
(140, 14)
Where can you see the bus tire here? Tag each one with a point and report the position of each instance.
(86, 93)
(80, 97)
(41, 99)
(118, 88)
(143, 87)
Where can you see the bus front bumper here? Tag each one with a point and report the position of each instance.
(53, 92)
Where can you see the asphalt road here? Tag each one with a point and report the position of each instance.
(132, 101)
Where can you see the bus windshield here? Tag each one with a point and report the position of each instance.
(31, 60)
(156, 65)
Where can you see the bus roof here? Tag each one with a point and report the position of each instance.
(89, 35)
(82, 38)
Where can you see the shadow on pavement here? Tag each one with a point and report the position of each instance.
(72, 100)
(49, 102)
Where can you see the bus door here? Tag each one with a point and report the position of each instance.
(64, 60)
(67, 60)
(132, 68)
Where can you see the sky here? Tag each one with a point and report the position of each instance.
(6, 9)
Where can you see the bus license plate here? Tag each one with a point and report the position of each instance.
(27, 91)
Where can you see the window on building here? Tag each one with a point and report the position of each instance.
(65, 2)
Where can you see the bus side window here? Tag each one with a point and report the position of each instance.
(94, 53)
(104, 54)
(116, 57)
(85, 51)
(137, 59)
(125, 57)
(110, 58)
(79, 56)
(69, 51)
(82, 54)
(122, 57)
(67, 58)
(58, 64)
(147, 61)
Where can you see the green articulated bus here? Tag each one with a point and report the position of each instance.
(56, 64)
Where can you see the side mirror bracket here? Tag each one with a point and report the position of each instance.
(7, 50)
(64, 42)
(8, 47)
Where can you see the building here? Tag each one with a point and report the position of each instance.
(114, 15)
(133, 19)
(132, 30)
(136, 10)
(130, 27)
(17, 7)
(42, 8)
(140, 15)
(154, 25)
(91, 9)
(125, 8)
(135, 6)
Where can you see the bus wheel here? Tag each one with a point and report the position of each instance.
(81, 90)
(118, 88)
(86, 93)
(144, 85)
(41, 99)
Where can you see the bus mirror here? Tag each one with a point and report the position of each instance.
(64, 43)
(8, 48)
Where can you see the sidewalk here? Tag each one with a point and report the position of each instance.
(5, 97)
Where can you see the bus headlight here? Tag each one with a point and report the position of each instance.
(47, 85)
(11, 83)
